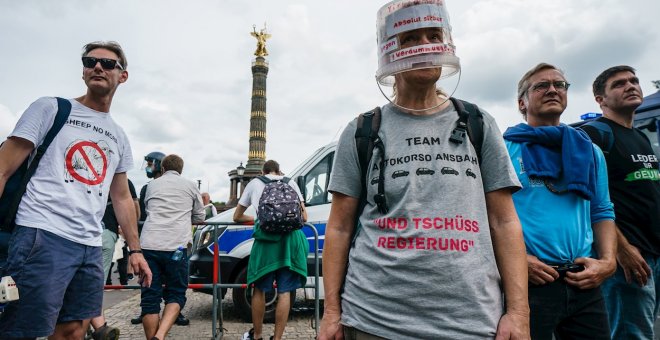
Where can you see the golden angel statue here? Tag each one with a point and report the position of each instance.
(261, 40)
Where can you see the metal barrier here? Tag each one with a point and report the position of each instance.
(217, 329)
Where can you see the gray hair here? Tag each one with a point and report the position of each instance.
(524, 85)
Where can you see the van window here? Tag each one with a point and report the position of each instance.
(316, 182)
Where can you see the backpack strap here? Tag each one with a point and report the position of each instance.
(366, 139)
(63, 111)
(605, 134)
(470, 122)
(264, 179)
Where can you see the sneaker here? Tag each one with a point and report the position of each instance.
(138, 320)
(182, 320)
(106, 332)
(249, 335)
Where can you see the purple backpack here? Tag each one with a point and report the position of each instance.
(279, 207)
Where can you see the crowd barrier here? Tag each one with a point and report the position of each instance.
(217, 329)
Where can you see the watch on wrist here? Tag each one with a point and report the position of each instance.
(137, 251)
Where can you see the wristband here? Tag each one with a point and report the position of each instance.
(137, 251)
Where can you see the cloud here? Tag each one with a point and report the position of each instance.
(189, 88)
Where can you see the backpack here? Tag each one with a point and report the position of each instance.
(279, 207)
(604, 133)
(17, 183)
(470, 122)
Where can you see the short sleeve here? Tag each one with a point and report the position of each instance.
(497, 172)
(37, 119)
(345, 176)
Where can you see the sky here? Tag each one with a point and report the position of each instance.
(189, 63)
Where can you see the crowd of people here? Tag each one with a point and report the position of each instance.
(544, 231)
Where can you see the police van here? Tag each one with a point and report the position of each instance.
(312, 176)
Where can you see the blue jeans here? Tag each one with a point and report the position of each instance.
(567, 312)
(287, 281)
(633, 309)
(173, 274)
(58, 281)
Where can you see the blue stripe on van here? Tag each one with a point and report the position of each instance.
(233, 237)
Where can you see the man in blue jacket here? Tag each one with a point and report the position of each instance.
(565, 212)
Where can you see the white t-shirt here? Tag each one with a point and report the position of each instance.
(172, 203)
(255, 188)
(68, 193)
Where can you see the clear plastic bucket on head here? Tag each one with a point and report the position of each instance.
(397, 18)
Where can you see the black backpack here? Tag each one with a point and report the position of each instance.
(17, 183)
(470, 122)
(604, 132)
(279, 207)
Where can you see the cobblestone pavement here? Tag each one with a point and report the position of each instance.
(199, 310)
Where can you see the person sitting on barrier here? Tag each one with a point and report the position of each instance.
(274, 257)
(172, 203)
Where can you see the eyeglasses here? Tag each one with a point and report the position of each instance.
(107, 64)
(544, 86)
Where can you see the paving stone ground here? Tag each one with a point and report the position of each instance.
(199, 310)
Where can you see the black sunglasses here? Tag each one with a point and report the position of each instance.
(107, 64)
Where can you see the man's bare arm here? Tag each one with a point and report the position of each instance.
(338, 234)
(136, 203)
(631, 261)
(240, 217)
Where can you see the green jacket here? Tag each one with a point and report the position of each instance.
(271, 252)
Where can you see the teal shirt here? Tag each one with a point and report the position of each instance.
(271, 252)
(558, 227)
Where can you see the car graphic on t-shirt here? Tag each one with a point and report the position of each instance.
(448, 171)
(470, 173)
(424, 171)
(400, 173)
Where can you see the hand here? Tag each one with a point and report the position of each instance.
(594, 273)
(633, 264)
(540, 273)
(331, 328)
(141, 269)
(513, 326)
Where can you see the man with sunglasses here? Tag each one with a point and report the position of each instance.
(565, 212)
(632, 295)
(55, 252)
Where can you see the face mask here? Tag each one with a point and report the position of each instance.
(149, 171)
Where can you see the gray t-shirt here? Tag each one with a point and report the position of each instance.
(426, 269)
